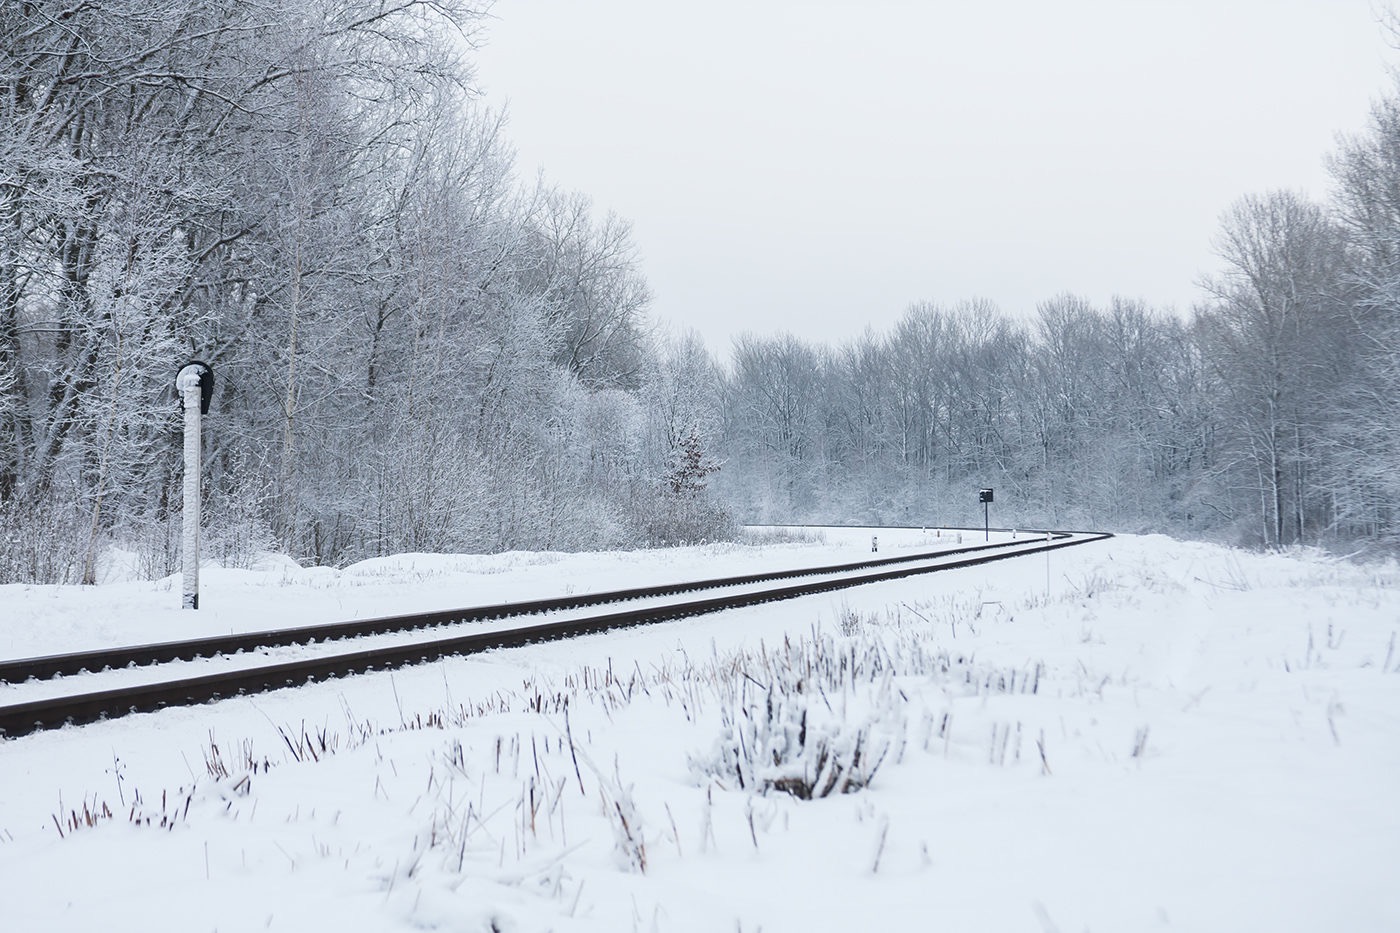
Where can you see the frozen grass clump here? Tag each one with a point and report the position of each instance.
(814, 719)
(784, 743)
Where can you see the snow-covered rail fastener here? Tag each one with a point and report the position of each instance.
(22, 718)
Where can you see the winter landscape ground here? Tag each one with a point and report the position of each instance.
(1138, 734)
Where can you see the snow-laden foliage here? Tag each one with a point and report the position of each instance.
(790, 740)
(412, 348)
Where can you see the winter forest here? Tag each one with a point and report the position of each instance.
(416, 349)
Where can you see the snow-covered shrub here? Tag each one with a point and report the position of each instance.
(662, 518)
(758, 537)
(821, 725)
(41, 540)
(786, 744)
(155, 542)
(235, 529)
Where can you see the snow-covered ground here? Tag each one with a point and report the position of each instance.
(1137, 734)
(278, 593)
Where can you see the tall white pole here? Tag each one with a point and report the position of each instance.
(188, 384)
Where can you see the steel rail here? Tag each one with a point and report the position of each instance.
(41, 668)
(23, 718)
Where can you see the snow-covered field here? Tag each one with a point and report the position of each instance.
(1137, 734)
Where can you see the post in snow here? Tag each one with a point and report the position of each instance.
(195, 384)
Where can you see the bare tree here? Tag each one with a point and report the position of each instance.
(1363, 437)
(1274, 334)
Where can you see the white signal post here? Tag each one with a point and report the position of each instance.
(191, 385)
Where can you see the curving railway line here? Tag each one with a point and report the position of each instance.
(339, 649)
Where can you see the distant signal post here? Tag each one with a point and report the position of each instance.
(984, 496)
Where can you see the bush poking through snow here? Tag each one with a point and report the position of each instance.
(820, 726)
(774, 746)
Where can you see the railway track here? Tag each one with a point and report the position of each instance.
(329, 649)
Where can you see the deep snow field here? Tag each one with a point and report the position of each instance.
(1137, 734)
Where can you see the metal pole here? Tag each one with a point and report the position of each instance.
(986, 521)
(188, 384)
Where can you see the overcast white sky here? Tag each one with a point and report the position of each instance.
(812, 166)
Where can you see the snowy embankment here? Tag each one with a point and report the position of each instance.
(1136, 734)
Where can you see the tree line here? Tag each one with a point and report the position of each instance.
(417, 350)
(1269, 416)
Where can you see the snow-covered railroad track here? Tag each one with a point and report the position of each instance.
(136, 679)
